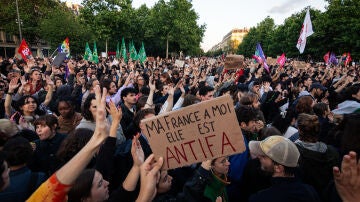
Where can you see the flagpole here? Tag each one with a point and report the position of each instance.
(53, 53)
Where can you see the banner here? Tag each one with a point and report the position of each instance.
(234, 61)
(199, 132)
(271, 61)
(300, 65)
(179, 63)
(24, 50)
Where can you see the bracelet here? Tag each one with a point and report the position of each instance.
(10, 93)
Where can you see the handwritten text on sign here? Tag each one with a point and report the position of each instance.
(193, 134)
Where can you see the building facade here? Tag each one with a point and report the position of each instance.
(231, 40)
(9, 44)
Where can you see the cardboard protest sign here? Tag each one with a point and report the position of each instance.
(59, 59)
(212, 61)
(300, 64)
(234, 61)
(199, 132)
(179, 63)
(271, 61)
(151, 59)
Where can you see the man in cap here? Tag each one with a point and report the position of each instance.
(279, 156)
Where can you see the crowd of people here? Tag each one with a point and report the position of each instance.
(74, 133)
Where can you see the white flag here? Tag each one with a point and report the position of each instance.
(306, 30)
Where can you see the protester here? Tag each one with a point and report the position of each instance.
(23, 182)
(279, 156)
(4, 171)
(316, 158)
(137, 90)
(44, 158)
(68, 119)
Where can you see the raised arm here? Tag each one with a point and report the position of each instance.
(137, 154)
(149, 101)
(50, 92)
(168, 105)
(8, 99)
(67, 174)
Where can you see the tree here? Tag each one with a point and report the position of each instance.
(31, 13)
(174, 22)
(262, 33)
(61, 24)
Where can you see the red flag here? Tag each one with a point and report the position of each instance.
(326, 57)
(348, 59)
(281, 60)
(24, 50)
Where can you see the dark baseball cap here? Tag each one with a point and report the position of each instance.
(318, 86)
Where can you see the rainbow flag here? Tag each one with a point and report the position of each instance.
(65, 47)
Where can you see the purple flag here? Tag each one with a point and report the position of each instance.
(333, 60)
(262, 56)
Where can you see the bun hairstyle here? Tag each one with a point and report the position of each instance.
(309, 127)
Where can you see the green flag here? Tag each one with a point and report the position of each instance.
(95, 57)
(123, 50)
(117, 51)
(88, 54)
(142, 53)
(133, 53)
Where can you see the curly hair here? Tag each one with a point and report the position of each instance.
(86, 113)
(23, 101)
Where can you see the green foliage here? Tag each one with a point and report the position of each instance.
(61, 24)
(336, 30)
(108, 20)
(32, 12)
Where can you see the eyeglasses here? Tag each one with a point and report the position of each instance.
(30, 102)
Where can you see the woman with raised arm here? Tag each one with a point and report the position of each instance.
(57, 186)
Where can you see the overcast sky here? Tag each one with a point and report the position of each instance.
(222, 16)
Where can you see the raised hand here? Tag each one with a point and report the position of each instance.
(49, 81)
(347, 181)
(13, 84)
(171, 90)
(102, 125)
(137, 152)
(115, 112)
(152, 84)
(150, 175)
(71, 67)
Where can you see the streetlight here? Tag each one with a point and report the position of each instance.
(18, 19)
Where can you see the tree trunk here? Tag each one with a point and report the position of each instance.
(167, 47)
(106, 48)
